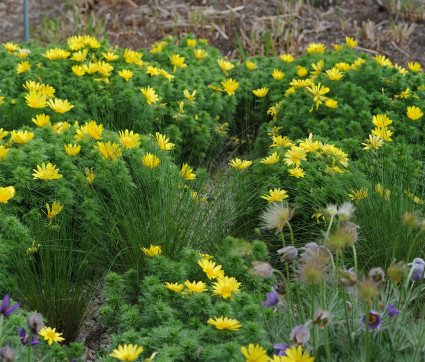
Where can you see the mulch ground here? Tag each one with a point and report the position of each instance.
(290, 25)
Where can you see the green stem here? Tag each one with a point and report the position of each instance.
(283, 238)
(313, 330)
(330, 225)
(29, 347)
(355, 258)
(1, 328)
(367, 359)
(346, 315)
(287, 296)
(291, 234)
(324, 307)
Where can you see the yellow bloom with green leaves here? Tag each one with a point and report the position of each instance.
(255, 353)
(191, 43)
(381, 120)
(72, 149)
(301, 71)
(269, 160)
(3, 152)
(21, 137)
(277, 74)
(175, 287)
(309, 145)
(226, 287)
(3, 133)
(150, 94)
(240, 164)
(287, 58)
(109, 150)
(212, 270)
(23, 67)
(331, 103)
(373, 143)
(80, 55)
(351, 43)
(296, 354)
(41, 120)
(89, 174)
(187, 173)
(225, 65)
(251, 65)
(36, 100)
(150, 160)
(296, 172)
(295, 155)
(414, 113)
(153, 250)
(6, 193)
(78, 70)
(60, 106)
(177, 61)
(46, 172)
(195, 287)
(230, 86)
(275, 195)
(261, 92)
(189, 96)
(10, 46)
(55, 210)
(126, 74)
(414, 67)
(338, 47)
(90, 129)
(128, 352)
(281, 141)
(383, 132)
(314, 48)
(163, 142)
(110, 56)
(50, 335)
(57, 53)
(200, 53)
(129, 139)
(225, 323)
(334, 74)
(318, 91)
(357, 195)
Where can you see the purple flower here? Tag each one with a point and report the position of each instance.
(272, 299)
(25, 338)
(280, 349)
(418, 266)
(4, 307)
(391, 310)
(374, 320)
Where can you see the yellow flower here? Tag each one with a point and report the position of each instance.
(382, 61)
(205, 256)
(132, 57)
(414, 113)
(381, 120)
(187, 173)
(60, 127)
(295, 155)
(36, 100)
(157, 47)
(104, 68)
(154, 250)
(21, 137)
(351, 43)
(196, 198)
(251, 65)
(56, 209)
(383, 193)
(191, 42)
(162, 142)
(89, 174)
(275, 195)
(318, 91)
(314, 48)
(23, 67)
(296, 172)
(279, 141)
(358, 63)
(317, 68)
(3, 152)
(296, 354)
(150, 160)
(334, 74)
(22, 53)
(383, 132)
(56, 53)
(400, 69)
(225, 65)
(78, 70)
(75, 42)
(10, 46)
(338, 47)
(41, 120)
(51, 335)
(230, 86)
(195, 287)
(298, 83)
(301, 71)
(200, 53)
(190, 97)
(165, 74)
(175, 287)
(80, 55)
(261, 92)
(288, 58)
(90, 129)
(110, 56)
(210, 269)
(127, 353)
(91, 68)
(46, 172)
(309, 145)
(6, 193)
(72, 150)
(225, 286)
(225, 323)
(357, 195)
(331, 103)
(3, 133)
(149, 93)
(277, 74)
(153, 71)
(240, 164)
(2, 101)
(128, 139)
(255, 353)
(126, 74)
(343, 66)
(177, 61)
(414, 67)
(108, 150)
(270, 159)
(60, 106)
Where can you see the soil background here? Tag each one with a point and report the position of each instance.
(394, 28)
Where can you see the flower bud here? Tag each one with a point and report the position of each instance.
(347, 278)
(7, 354)
(289, 253)
(300, 335)
(261, 270)
(410, 220)
(349, 306)
(350, 230)
(35, 322)
(321, 318)
(377, 275)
